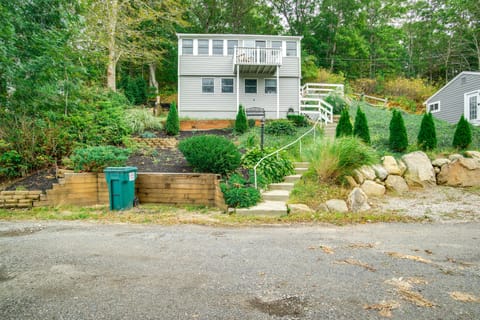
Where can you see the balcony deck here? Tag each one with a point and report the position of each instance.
(257, 60)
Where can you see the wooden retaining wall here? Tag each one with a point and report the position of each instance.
(164, 188)
(18, 199)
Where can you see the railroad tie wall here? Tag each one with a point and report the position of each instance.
(18, 199)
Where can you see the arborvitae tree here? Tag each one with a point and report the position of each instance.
(463, 134)
(172, 126)
(344, 126)
(398, 139)
(427, 137)
(360, 128)
(241, 123)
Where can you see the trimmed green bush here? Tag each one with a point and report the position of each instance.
(360, 128)
(238, 194)
(344, 126)
(241, 124)
(427, 136)
(273, 169)
(172, 126)
(398, 139)
(210, 153)
(463, 134)
(280, 127)
(95, 159)
(298, 120)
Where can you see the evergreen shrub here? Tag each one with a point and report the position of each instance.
(210, 153)
(398, 139)
(241, 124)
(172, 125)
(427, 136)
(360, 128)
(280, 127)
(272, 169)
(344, 126)
(463, 134)
(97, 158)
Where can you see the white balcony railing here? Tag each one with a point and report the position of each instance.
(257, 56)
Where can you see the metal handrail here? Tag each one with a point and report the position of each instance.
(299, 139)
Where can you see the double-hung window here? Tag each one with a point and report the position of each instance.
(187, 46)
(231, 44)
(227, 85)
(217, 47)
(291, 49)
(208, 85)
(270, 86)
(250, 85)
(203, 46)
(434, 106)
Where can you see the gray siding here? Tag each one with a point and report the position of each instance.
(205, 65)
(452, 96)
(290, 67)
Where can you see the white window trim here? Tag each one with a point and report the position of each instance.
(245, 86)
(233, 85)
(265, 86)
(201, 85)
(432, 103)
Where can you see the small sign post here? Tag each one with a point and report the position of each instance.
(258, 112)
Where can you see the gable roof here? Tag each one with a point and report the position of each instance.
(475, 73)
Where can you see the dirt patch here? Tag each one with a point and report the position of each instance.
(288, 306)
(40, 180)
(19, 232)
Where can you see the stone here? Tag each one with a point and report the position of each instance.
(420, 171)
(473, 154)
(380, 172)
(322, 208)
(390, 164)
(463, 172)
(358, 176)
(396, 184)
(299, 208)
(402, 166)
(437, 170)
(337, 205)
(440, 162)
(373, 189)
(351, 181)
(367, 172)
(357, 200)
(455, 156)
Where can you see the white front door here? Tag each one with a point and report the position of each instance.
(472, 106)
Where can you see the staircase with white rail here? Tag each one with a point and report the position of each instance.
(312, 103)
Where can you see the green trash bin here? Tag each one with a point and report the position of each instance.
(121, 186)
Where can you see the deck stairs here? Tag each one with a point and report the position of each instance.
(312, 100)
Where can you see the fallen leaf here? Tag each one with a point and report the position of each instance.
(361, 245)
(384, 308)
(409, 257)
(327, 250)
(415, 297)
(464, 297)
(415, 280)
(428, 251)
(400, 283)
(356, 263)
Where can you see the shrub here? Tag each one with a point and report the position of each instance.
(172, 126)
(272, 169)
(12, 164)
(298, 120)
(344, 126)
(332, 161)
(337, 102)
(135, 89)
(210, 153)
(360, 128)
(280, 127)
(95, 159)
(238, 194)
(251, 123)
(241, 124)
(398, 140)
(427, 136)
(463, 134)
(414, 89)
(139, 120)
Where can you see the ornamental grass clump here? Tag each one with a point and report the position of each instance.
(139, 120)
(398, 139)
(463, 134)
(333, 160)
(427, 136)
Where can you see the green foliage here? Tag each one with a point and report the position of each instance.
(210, 153)
(238, 194)
(427, 136)
(241, 124)
(95, 159)
(360, 128)
(398, 139)
(272, 169)
(280, 127)
(251, 123)
(332, 161)
(463, 134)
(299, 120)
(139, 120)
(337, 102)
(344, 126)
(12, 164)
(172, 126)
(135, 89)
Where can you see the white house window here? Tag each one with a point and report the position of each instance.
(202, 46)
(217, 48)
(277, 44)
(208, 85)
(434, 106)
(291, 49)
(270, 86)
(227, 85)
(472, 101)
(231, 45)
(187, 46)
(250, 85)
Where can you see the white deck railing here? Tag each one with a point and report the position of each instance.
(257, 56)
(320, 90)
(316, 107)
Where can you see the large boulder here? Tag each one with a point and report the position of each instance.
(367, 172)
(390, 164)
(337, 205)
(357, 200)
(420, 171)
(473, 154)
(396, 184)
(299, 208)
(463, 172)
(440, 162)
(373, 189)
(380, 171)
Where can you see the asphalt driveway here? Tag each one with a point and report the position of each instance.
(73, 270)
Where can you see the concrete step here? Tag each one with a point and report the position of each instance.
(266, 208)
(281, 186)
(301, 170)
(301, 164)
(293, 178)
(276, 195)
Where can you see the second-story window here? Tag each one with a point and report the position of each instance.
(291, 49)
(208, 85)
(187, 46)
(231, 45)
(217, 48)
(202, 46)
(250, 85)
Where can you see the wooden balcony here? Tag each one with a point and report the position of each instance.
(257, 60)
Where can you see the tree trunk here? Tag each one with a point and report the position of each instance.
(152, 79)
(112, 52)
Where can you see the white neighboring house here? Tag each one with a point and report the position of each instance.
(459, 96)
(218, 72)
